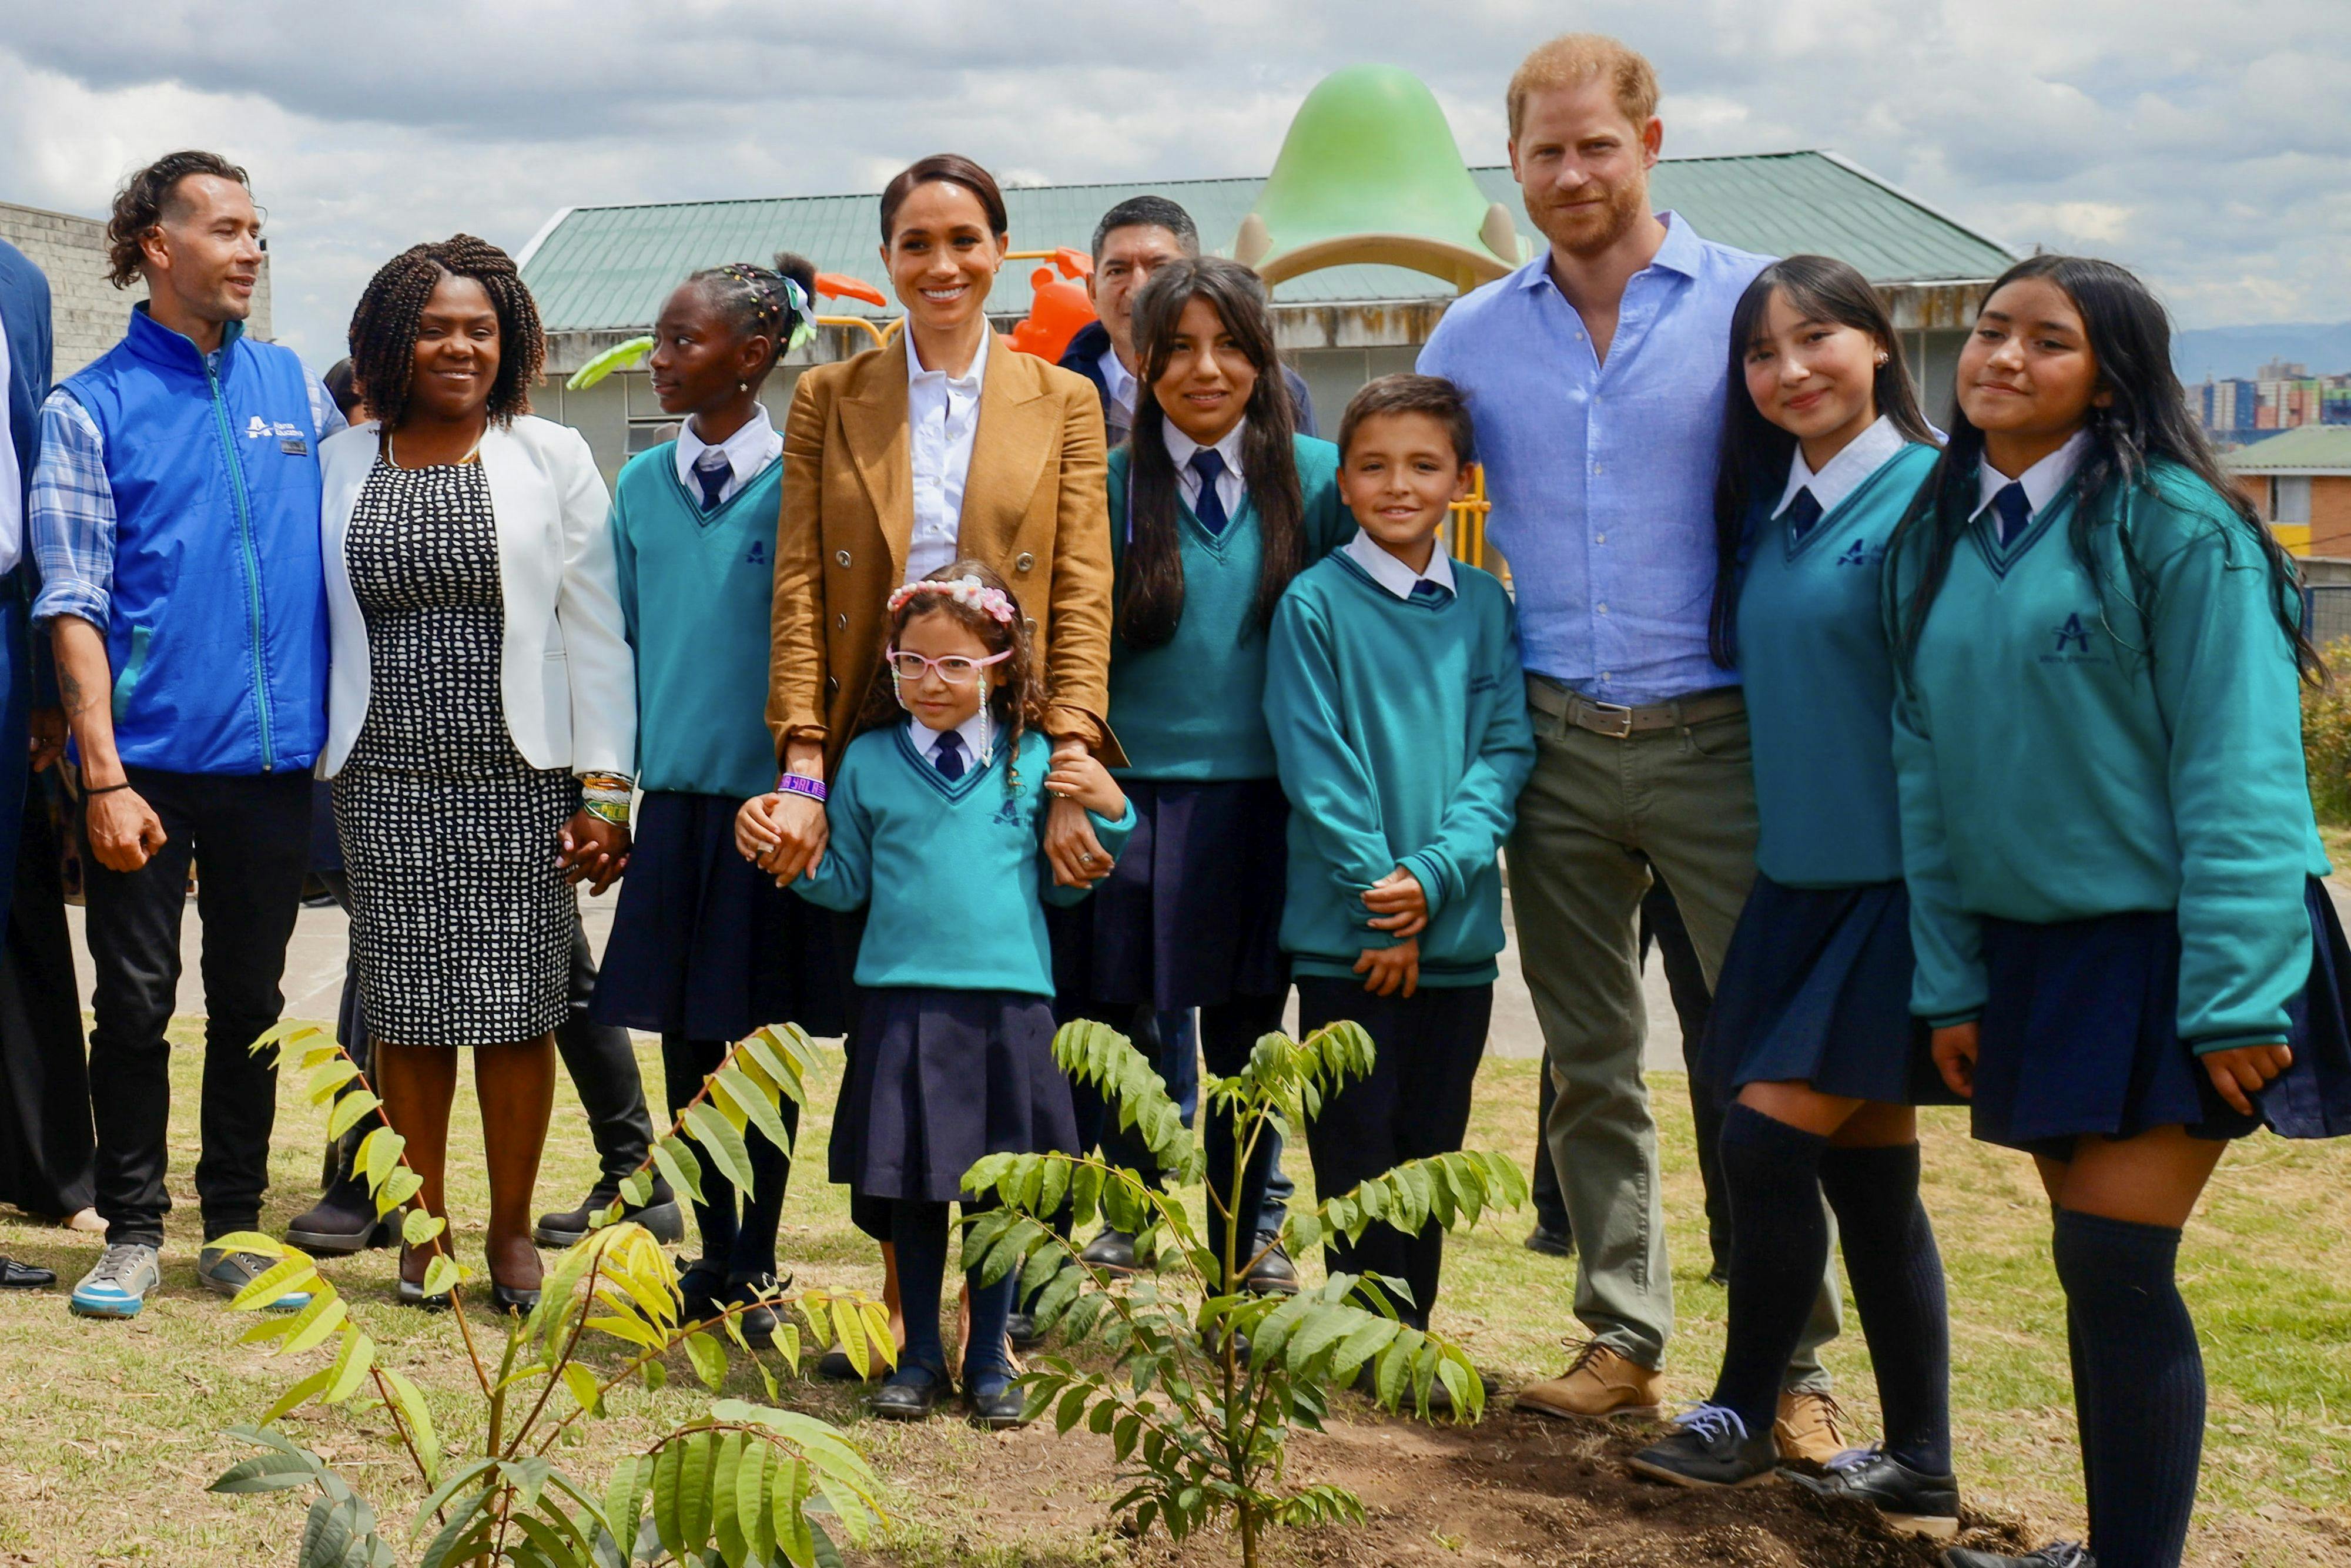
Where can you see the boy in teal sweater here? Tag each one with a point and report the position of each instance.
(1398, 706)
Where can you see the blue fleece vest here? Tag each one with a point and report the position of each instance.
(217, 635)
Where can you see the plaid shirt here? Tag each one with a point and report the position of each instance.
(71, 515)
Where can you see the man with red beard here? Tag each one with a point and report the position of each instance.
(1596, 376)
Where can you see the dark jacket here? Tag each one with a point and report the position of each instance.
(24, 316)
(1084, 355)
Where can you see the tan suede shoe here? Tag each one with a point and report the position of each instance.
(1601, 1384)
(1810, 1425)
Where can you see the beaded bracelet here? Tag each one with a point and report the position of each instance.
(799, 784)
(605, 796)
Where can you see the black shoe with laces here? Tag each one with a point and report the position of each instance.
(2057, 1554)
(1910, 1501)
(1710, 1449)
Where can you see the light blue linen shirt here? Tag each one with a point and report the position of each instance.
(1602, 476)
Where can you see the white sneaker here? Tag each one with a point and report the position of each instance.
(121, 1283)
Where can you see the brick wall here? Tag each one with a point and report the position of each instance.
(2330, 516)
(85, 311)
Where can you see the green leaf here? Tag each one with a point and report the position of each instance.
(421, 1226)
(350, 1368)
(309, 1388)
(669, 1469)
(709, 1358)
(419, 1419)
(326, 1079)
(398, 1188)
(274, 1471)
(289, 1274)
(722, 1143)
(327, 1536)
(379, 1156)
(735, 1090)
(348, 1110)
(637, 1187)
(440, 1271)
(754, 1479)
(583, 1388)
(465, 1475)
(624, 1494)
(678, 1164)
(725, 1506)
(693, 1490)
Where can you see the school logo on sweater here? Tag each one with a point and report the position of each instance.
(759, 554)
(1860, 553)
(2072, 640)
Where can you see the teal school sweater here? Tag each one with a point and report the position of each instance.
(1819, 677)
(953, 872)
(1192, 709)
(697, 592)
(2064, 753)
(1402, 736)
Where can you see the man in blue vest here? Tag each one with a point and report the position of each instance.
(174, 514)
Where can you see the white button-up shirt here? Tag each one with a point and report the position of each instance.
(1121, 384)
(2041, 481)
(748, 452)
(1392, 574)
(943, 419)
(979, 744)
(1863, 455)
(1229, 485)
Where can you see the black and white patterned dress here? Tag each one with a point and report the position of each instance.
(460, 922)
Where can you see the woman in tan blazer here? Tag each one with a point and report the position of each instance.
(944, 444)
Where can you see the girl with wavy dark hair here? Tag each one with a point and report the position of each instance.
(1810, 1046)
(2124, 949)
(938, 818)
(1215, 505)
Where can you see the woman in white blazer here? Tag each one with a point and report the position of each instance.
(481, 717)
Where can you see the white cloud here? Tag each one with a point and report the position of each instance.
(2207, 144)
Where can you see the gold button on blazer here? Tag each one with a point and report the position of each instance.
(1034, 507)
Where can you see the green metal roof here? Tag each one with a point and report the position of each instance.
(609, 268)
(2308, 449)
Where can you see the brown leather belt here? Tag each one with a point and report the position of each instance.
(1617, 723)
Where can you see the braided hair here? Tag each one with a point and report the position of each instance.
(384, 325)
(776, 302)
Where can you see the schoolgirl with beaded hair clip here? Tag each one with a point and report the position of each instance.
(937, 815)
(704, 949)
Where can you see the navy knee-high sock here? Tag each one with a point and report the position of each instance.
(2139, 1387)
(1779, 1247)
(919, 1229)
(1897, 1284)
(991, 1306)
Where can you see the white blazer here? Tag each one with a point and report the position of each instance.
(565, 675)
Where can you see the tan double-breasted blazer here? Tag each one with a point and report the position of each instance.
(1034, 507)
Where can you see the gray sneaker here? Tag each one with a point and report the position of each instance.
(120, 1285)
(226, 1273)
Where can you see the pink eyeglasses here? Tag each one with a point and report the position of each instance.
(955, 669)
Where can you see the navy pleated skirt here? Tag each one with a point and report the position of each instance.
(2080, 1035)
(1191, 914)
(940, 1078)
(1815, 989)
(705, 945)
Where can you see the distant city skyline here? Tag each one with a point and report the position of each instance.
(2207, 145)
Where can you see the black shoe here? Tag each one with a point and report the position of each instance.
(1273, 1274)
(704, 1289)
(1112, 1253)
(341, 1223)
(913, 1393)
(2056, 1554)
(994, 1401)
(659, 1214)
(1550, 1243)
(834, 1366)
(504, 1300)
(1020, 1328)
(1911, 1501)
(15, 1275)
(412, 1294)
(1710, 1449)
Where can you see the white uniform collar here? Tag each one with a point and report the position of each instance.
(1392, 574)
(1181, 447)
(1119, 380)
(2041, 481)
(1863, 455)
(747, 452)
(967, 383)
(973, 731)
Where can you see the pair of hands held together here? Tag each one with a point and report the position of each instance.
(785, 836)
(2238, 1073)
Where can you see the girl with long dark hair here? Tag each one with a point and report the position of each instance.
(1215, 505)
(2123, 946)
(1810, 1041)
(938, 813)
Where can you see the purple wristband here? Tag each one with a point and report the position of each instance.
(799, 784)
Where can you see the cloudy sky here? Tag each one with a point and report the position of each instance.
(2206, 143)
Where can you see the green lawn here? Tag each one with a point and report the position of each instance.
(114, 1426)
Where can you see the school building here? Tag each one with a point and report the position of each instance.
(600, 274)
(87, 313)
(2300, 480)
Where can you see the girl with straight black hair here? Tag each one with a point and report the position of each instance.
(2124, 949)
(1810, 1044)
(1215, 504)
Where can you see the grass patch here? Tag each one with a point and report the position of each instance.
(114, 1426)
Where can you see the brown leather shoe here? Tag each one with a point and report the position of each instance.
(1810, 1425)
(1601, 1384)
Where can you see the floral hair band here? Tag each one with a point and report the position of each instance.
(968, 592)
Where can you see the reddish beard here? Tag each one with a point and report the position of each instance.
(1586, 231)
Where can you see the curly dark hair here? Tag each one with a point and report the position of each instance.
(752, 300)
(148, 197)
(1017, 704)
(383, 327)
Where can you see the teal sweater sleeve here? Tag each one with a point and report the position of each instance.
(2226, 683)
(1332, 789)
(1484, 804)
(843, 879)
(1948, 987)
(1111, 836)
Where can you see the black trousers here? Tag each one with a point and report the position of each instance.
(1661, 924)
(45, 1149)
(738, 1230)
(251, 836)
(1416, 1103)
